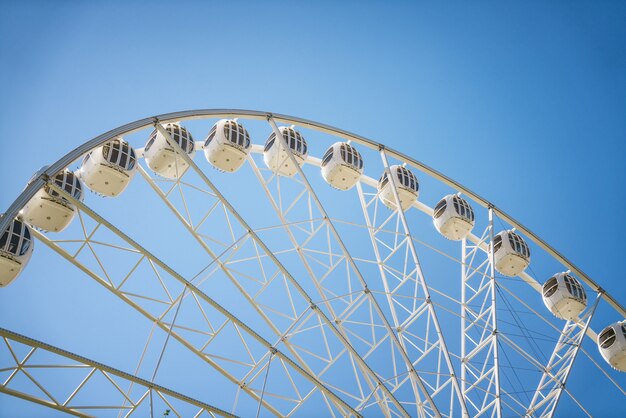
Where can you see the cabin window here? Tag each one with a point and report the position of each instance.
(497, 243)
(407, 178)
(328, 155)
(463, 208)
(440, 208)
(351, 156)
(270, 142)
(295, 141)
(607, 338)
(120, 153)
(19, 241)
(212, 133)
(550, 287)
(236, 134)
(624, 329)
(518, 245)
(182, 137)
(150, 141)
(26, 240)
(383, 180)
(574, 288)
(67, 181)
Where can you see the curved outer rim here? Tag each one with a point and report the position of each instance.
(42, 176)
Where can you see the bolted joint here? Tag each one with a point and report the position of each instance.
(269, 116)
(367, 290)
(273, 350)
(313, 306)
(381, 147)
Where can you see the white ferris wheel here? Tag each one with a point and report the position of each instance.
(270, 265)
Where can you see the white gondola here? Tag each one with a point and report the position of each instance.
(612, 345)
(342, 166)
(276, 157)
(108, 169)
(49, 211)
(511, 253)
(16, 247)
(453, 217)
(407, 187)
(564, 296)
(162, 158)
(227, 145)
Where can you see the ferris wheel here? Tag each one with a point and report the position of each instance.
(264, 264)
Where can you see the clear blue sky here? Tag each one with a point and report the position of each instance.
(523, 102)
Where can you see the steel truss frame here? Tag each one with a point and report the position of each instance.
(259, 356)
(556, 372)
(42, 394)
(378, 388)
(480, 377)
(478, 389)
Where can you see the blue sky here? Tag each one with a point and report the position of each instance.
(522, 102)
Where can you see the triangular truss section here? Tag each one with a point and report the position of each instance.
(556, 372)
(406, 296)
(271, 292)
(479, 347)
(202, 321)
(64, 381)
(345, 296)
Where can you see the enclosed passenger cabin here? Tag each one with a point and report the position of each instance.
(16, 247)
(47, 209)
(277, 158)
(453, 217)
(108, 169)
(227, 145)
(511, 253)
(342, 166)
(406, 185)
(564, 296)
(612, 345)
(161, 157)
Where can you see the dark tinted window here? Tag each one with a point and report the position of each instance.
(269, 142)
(235, 133)
(351, 156)
(518, 245)
(440, 208)
(383, 180)
(407, 178)
(150, 141)
(328, 155)
(120, 153)
(607, 337)
(550, 287)
(16, 239)
(497, 243)
(574, 288)
(181, 136)
(67, 181)
(463, 208)
(212, 133)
